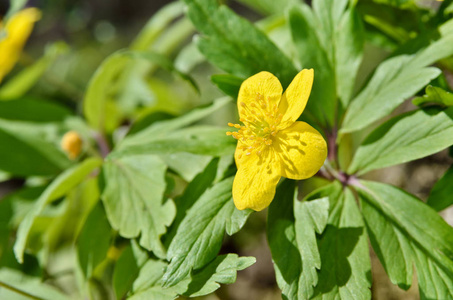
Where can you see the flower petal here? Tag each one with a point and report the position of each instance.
(301, 150)
(263, 86)
(255, 182)
(295, 98)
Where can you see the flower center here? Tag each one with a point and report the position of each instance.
(260, 125)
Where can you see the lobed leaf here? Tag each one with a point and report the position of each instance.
(440, 196)
(133, 199)
(200, 234)
(404, 233)
(404, 138)
(434, 95)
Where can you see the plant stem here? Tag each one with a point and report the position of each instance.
(9, 287)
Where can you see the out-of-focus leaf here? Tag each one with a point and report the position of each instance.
(160, 129)
(229, 84)
(434, 95)
(204, 140)
(235, 45)
(25, 152)
(58, 188)
(395, 80)
(404, 138)
(199, 237)
(133, 199)
(269, 7)
(127, 269)
(345, 263)
(158, 23)
(27, 78)
(33, 110)
(440, 196)
(404, 233)
(201, 282)
(93, 241)
(33, 286)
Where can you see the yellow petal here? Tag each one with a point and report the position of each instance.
(18, 30)
(301, 149)
(295, 97)
(260, 87)
(255, 182)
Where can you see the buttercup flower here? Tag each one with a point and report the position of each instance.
(271, 143)
(16, 32)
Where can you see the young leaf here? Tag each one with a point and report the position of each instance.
(93, 241)
(405, 232)
(27, 152)
(404, 138)
(235, 45)
(200, 235)
(434, 95)
(343, 247)
(440, 196)
(133, 199)
(59, 187)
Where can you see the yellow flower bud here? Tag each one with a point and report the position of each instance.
(17, 30)
(71, 143)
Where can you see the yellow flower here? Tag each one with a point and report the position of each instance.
(17, 31)
(71, 143)
(272, 143)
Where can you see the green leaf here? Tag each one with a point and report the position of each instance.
(160, 129)
(27, 152)
(93, 241)
(64, 183)
(156, 25)
(222, 270)
(405, 232)
(100, 88)
(33, 110)
(229, 84)
(185, 164)
(395, 80)
(311, 218)
(15, 284)
(200, 235)
(235, 45)
(269, 7)
(404, 138)
(345, 263)
(127, 269)
(281, 237)
(133, 199)
(434, 95)
(392, 83)
(20, 84)
(204, 140)
(440, 196)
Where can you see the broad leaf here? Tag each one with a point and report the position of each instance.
(434, 95)
(343, 247)
(133, 199)
(93, 241)
(440, 196)
(33, 110)
(404, 233)
(404, 138)
(27, 151)
(58, 188)
(229, 84)
(199, 237)
(235, 45)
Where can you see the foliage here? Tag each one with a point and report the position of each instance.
(144, 209)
